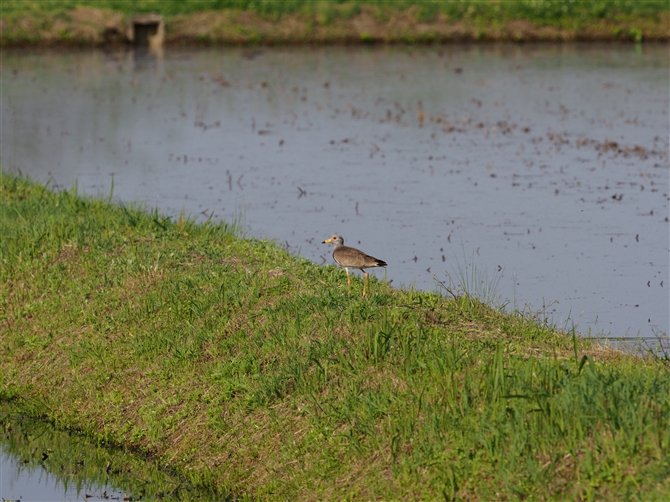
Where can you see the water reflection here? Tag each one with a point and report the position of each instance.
(147, 59)
(546, 164)
(38, 462)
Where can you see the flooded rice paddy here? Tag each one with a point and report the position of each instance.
(538, 171)
(28, 479)
(40, 463)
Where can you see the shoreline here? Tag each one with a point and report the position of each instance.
(88, 26)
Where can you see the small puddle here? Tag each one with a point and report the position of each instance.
(40, 463)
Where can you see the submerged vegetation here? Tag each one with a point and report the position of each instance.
(252, 373)
(321, 21)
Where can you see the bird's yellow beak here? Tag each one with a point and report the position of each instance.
(327, 241)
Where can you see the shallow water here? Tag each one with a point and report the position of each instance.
(19, 481)
(41, 463)
(542, 169)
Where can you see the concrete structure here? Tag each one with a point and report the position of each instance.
(147, 30)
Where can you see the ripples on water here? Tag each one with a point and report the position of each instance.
(545, 167)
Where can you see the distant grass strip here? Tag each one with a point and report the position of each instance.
(252, 373)
(534, 10)
(320, 21)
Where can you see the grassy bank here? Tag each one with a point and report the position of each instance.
(252, 372)
(97, 22)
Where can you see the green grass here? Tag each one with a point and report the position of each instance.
(77, 22)
(550, 11)
(252, 372)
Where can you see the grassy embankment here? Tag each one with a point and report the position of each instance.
(95, 22)
(251, 371)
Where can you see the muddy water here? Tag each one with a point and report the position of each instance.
(542, 169)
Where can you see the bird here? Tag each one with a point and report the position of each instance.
(348, 257)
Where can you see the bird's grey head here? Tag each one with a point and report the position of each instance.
(336, 240)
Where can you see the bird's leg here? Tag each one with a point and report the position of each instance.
(348, 281)
(365, 282)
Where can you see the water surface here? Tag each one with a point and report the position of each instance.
(542, 166)
(40, 463)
